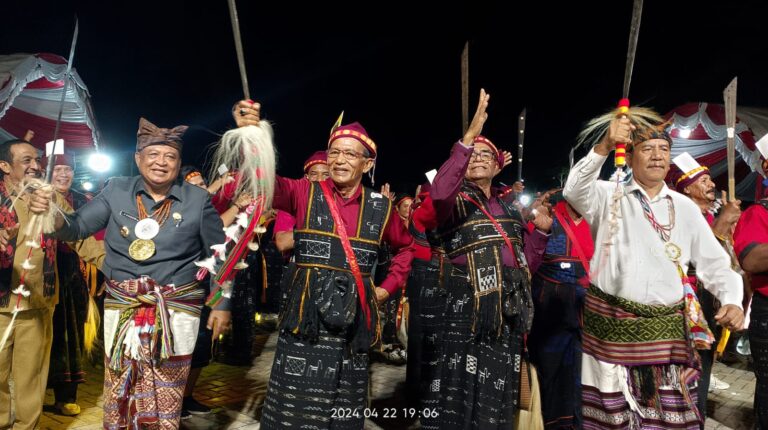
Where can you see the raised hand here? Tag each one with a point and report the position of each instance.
(726, 220)
(246, 112)
(619, 131)
(476, 126)
(386, 192)
(507, 159)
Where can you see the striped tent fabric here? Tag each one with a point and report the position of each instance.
(30, 96)
(699, 129)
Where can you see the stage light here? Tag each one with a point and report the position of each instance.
(525, 199)
(87, 185)
(99, 162)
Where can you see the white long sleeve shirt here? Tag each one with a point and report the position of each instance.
(636, 266)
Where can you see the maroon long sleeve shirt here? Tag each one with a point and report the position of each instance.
(447, 185)
(292, 196)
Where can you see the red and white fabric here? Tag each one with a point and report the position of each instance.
(30, 96)
(707, 142)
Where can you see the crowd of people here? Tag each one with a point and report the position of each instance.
(602, 298)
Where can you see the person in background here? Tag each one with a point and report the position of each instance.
(78, 282)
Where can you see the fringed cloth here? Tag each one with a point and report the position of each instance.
(655, 363)
(149, 333)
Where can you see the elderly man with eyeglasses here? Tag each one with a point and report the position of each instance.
(489, 308)
(319, 378)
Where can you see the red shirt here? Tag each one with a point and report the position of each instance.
(424, 218)
(292, 196)
(284, 222)
(752, 230)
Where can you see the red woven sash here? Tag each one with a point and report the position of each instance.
(342, 232)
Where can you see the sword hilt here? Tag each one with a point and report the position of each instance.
(620, 156)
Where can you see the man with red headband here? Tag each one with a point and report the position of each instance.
(78, 281)
(489, 308)
(319, 378)
(315, 169)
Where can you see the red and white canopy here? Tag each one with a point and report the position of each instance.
(30, 96)
(699, 129)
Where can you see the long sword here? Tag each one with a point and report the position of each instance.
(729, 97)
(634, 32)
(239, 47)
(465, 88)
(520, 141)
(52, 157)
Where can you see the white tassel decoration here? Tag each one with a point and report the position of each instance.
(208, 263)
(253, 246)
(27, 265)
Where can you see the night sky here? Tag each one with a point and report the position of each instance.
(397, 70)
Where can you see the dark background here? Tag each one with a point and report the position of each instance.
(394, 67)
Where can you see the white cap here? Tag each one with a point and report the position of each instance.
(59, 147)
(762, 146)
(686, 163)
(431, 175)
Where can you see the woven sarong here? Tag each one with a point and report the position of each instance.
(316, 384)
(149, 332)
(479, 384)
(640, 367)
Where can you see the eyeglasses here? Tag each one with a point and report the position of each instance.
(482, 155)
(348, 154)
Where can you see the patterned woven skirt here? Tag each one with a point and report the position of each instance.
(427, 301)
(318, 385)
(480, 381)
(638, 369)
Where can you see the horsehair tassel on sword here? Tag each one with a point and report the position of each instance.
(239, 47)
(51, 157)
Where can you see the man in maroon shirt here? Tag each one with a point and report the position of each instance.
(319, 378)
(489, 307)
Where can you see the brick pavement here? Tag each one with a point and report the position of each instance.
(237, 393)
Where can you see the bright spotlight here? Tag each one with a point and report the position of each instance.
(525, 199)
(88, 185)
(99, 162)
(684, 133)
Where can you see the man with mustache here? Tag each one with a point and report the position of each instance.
(26, 355)
(76, 282)
(489, 307)
(319, 378)
(157, 227)
(641, 328)
(695, 182)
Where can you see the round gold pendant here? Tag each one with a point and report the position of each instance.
(672, 251)
(141, 249)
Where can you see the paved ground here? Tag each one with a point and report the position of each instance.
(237, 392)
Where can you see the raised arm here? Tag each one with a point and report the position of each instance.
(447, 182)
(581, 189)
